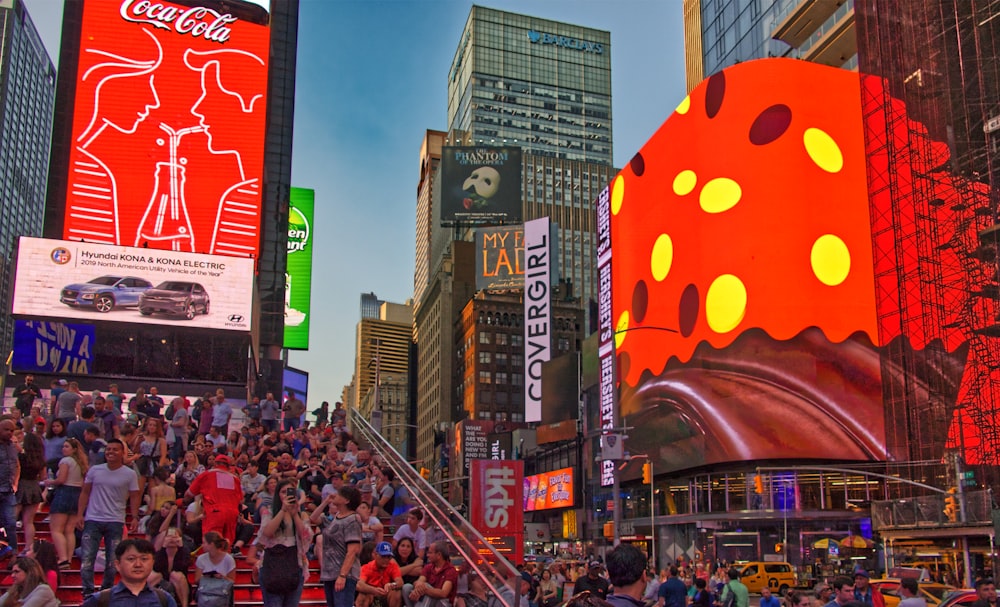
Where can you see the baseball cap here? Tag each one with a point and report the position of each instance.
(383, 549)
(223, 459)
(63, 382)
(593, 564)
(40, 420)
(859, 572)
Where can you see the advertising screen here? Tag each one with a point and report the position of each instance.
(53, 347)
(298, 278)
(95, 282)
(168, 126)
(743, 299)
(480, 185)
(499, 258)
(549, 490)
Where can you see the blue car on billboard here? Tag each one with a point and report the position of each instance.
(105, 293)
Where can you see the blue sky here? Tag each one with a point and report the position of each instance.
(371, 79)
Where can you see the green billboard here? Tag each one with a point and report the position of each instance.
(298, 275)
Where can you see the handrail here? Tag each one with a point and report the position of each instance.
(502, 579)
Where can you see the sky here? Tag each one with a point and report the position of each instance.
(371, 79)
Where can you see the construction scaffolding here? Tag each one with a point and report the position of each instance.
(930, 88)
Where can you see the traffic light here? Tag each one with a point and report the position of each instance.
(779, 548)
(425, 473)
(647, 473)
(758, 484)
(951, 505)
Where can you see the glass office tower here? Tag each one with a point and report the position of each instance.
(27, 95)
(539, 84)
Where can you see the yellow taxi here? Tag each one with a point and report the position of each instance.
(932, 592)
(778, 576)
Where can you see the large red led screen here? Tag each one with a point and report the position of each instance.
(743, 286)
(168, 127)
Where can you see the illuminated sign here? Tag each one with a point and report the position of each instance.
(743, 299)
(480, 185)
(565, 42)
(537, 312)
(86, 281)
(549, 490)
(499, 258)
(495, 501)
(53, 347)
(168, 127)
(298, 279)
(605, 330)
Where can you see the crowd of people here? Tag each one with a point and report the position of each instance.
(174, 494)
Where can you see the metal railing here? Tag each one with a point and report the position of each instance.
(500, 576)
(975, 509)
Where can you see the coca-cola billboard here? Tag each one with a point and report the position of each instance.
(167, 145)
(495, 501)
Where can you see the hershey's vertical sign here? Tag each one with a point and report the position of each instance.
(537, 312)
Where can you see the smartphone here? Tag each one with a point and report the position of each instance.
(290, 492)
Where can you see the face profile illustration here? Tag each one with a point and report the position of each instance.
(481, 185)
(232, 94)
(231, 87)
(119, 77)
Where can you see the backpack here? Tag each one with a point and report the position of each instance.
(104, 597)
(214, 591)
(730, 600)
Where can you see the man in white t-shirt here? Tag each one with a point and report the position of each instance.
(107, 490)
(413, 531)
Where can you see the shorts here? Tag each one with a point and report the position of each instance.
(29, 493)
(66, 500)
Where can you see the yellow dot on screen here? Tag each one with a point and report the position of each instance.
(621, 329)
(684, 105)
(720, 194)
(617, 194)
(823, 150)
(662, 257)
(725, 303)
(830, 259)
(685, 182)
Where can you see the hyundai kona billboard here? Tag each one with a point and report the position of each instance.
(86, 281)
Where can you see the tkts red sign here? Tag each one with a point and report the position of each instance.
(495, 501)
(168, 128)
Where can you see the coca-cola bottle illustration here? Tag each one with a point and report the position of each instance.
(166, 218)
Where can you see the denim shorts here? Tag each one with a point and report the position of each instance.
(66, 500)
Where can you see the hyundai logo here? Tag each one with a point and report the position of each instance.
(235, 318)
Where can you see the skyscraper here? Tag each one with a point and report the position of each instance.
(545, 87)
(721, 33)
(27, 95)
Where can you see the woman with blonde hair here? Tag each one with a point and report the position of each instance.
(63, 511)
(29, 588)
(152, 452)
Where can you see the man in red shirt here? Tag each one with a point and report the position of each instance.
(221, 496)
(380, 578)
(438, 582)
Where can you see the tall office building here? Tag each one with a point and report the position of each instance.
(721, 33)
(382, 349)
(545, 87)
(27, 95)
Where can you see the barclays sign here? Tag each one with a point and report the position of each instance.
(566, 42)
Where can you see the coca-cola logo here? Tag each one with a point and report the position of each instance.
(198, 21)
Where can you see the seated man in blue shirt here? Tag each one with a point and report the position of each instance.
(134, 559)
